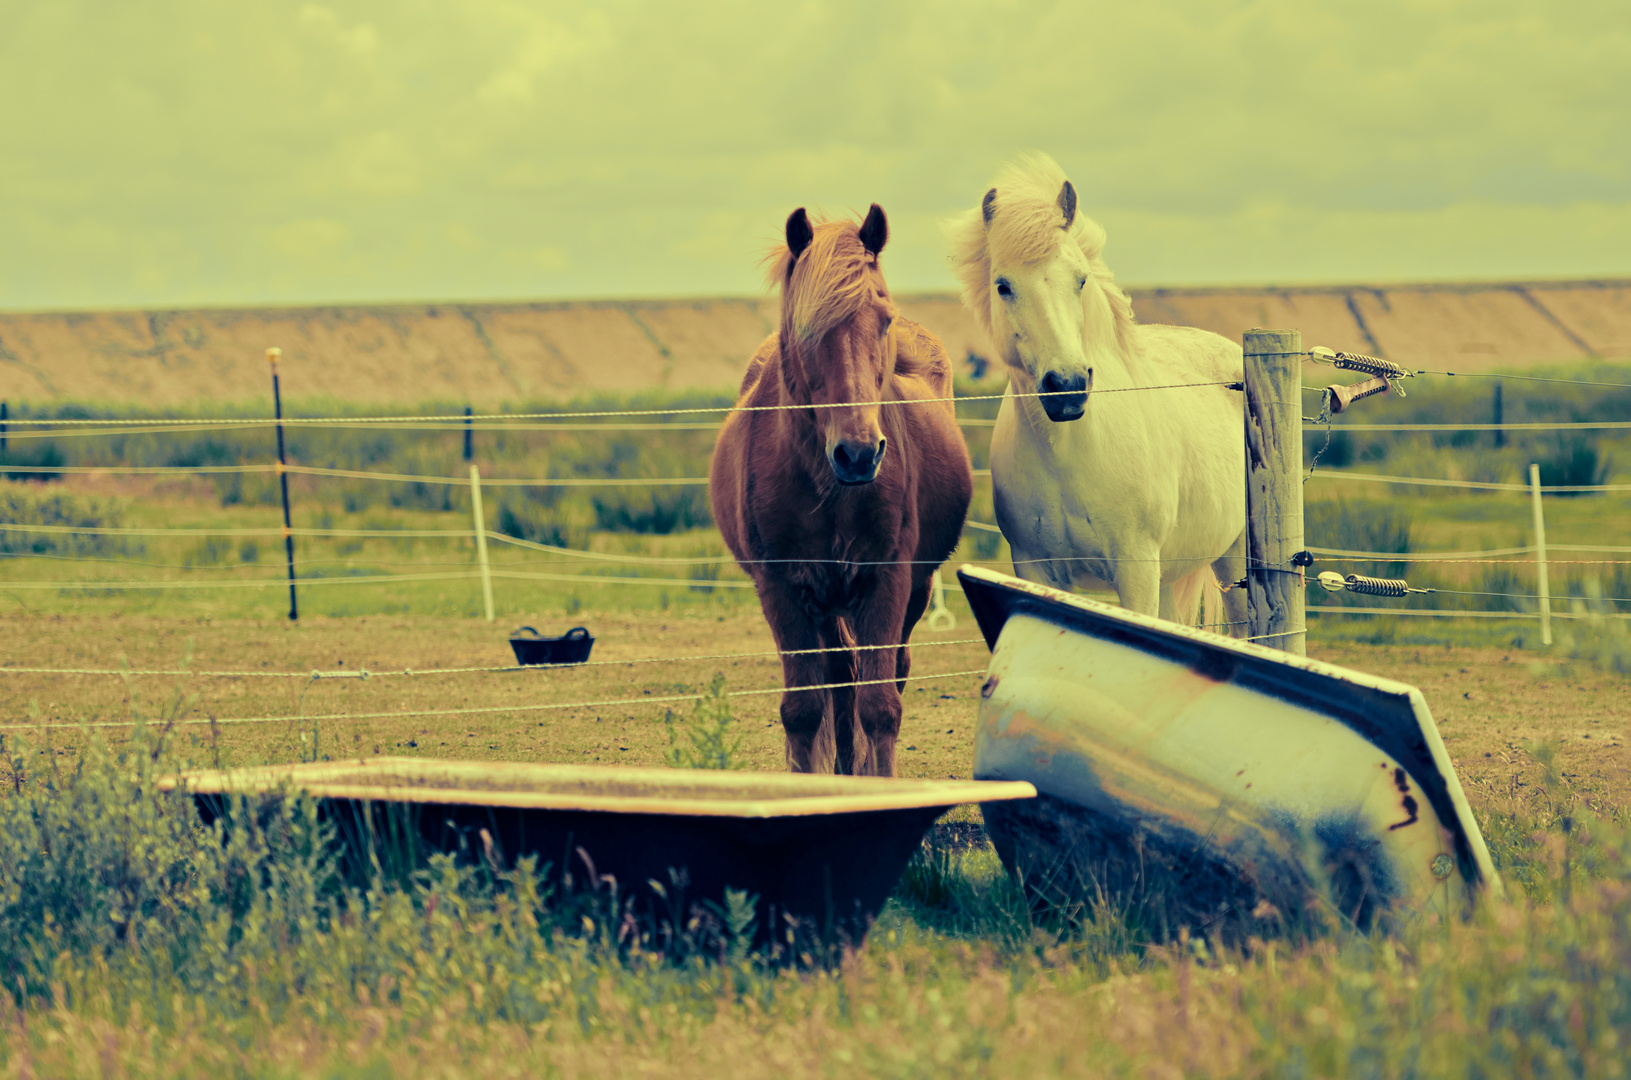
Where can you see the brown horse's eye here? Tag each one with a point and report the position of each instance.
(888, 321)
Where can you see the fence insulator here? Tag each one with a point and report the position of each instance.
(1331, 581)
(1338, 398)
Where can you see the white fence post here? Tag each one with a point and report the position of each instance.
(940, 616)
(1540, 557)
(481, 540)
(1275, 601)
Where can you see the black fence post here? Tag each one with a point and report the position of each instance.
(1500, 417)
(5, 415)
(469, 438)
(272, 356)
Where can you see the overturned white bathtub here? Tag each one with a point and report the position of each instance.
(1188, 779)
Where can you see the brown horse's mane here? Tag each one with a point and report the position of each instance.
(830, 281)
(827, 284)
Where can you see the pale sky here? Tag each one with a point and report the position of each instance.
(199, 152)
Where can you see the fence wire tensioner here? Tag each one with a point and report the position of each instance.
(1331, 581)
(1384, 376)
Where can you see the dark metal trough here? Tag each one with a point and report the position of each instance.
(821, 853)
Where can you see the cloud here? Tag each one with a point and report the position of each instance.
(551, 258)
(1276, 243)
(544, 47)
(361, 40)
(659, 144)
(381, 163)
(311, 239)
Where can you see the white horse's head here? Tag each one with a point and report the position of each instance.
(1031, 272)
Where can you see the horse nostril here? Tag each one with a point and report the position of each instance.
(1054, 383)
(857, 462)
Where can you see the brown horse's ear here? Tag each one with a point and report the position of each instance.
(988, 205)
(1067, 202)
(799, 234)
(875, 230)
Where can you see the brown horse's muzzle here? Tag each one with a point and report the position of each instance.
(856, 462)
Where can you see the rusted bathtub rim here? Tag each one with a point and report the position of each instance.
(506, 784)
(1349, 697)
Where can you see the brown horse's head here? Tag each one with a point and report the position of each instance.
(837, 349)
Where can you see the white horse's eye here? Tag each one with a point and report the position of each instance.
(1004, 290)
(1081, 283)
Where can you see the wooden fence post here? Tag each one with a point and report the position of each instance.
(272, 357)
(1274, 491)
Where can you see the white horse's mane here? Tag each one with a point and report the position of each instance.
(1027, 225)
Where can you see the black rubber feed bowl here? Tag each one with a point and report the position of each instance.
(819, 853)
(531, 647)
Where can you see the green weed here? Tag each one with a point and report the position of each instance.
(706, 739)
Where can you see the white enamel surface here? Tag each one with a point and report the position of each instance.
(1110, 726)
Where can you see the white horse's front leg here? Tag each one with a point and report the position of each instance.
(1169, 602)
(1138, 585)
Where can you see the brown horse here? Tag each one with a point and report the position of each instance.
(840, 485)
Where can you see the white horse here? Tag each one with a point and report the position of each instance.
(1102, 482)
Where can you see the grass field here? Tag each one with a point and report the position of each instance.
(135, 943)
(1490, 703)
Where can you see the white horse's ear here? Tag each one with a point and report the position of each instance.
(988, 205)
(1067, 203)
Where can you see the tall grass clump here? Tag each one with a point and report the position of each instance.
(24, 504)
(99, 866)
(1573, 460)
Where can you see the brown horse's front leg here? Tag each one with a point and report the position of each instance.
(802, 710)
(878, 622)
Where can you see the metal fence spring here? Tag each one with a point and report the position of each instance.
(1370, 365)
(1331, 581)
(1373, 586)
